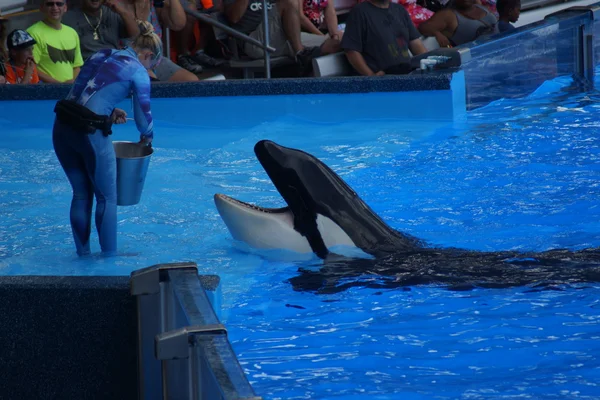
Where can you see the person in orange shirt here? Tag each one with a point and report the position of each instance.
(20, 68)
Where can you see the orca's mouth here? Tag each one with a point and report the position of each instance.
(254, 207)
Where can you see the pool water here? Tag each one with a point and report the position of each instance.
(516, 174)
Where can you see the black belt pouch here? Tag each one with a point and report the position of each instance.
(81, 118)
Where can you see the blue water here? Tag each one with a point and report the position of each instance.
(518, 174)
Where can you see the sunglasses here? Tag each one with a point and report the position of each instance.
(54, 3)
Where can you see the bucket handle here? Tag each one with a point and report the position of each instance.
(132, 119)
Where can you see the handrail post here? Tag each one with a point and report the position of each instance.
(148, 286)
(217, 24)
(266, 38)
(167, 44)
(177, 345)
(180, 344)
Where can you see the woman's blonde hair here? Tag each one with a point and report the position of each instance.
(147, 39)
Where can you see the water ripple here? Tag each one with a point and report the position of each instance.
(514, 175)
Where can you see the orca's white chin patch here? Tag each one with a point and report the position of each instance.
(259, 227)
(273, 228)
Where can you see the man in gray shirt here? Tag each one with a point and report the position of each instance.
(101, 26)
(378, 37)
(285, 33)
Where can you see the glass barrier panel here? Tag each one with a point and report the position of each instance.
(195, 306)
(227, 380)
(177, 378)
(515, 65)
(596, 48)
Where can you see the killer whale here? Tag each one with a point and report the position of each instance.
(323, 211)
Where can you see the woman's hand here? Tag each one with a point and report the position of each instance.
(119, 116)
(442, 40)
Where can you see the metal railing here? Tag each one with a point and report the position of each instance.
(265, 15)
(267, 49)
(183, 352)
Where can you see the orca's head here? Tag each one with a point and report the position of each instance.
(323, 211)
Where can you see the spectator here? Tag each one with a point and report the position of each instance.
(101, 26)
(284, 30)
(20, 68)
(490, 5)
(378, 37)
(509, 11)
(433, 5)
(168, 14)
(318, 16)
(3, 52)
(463, 23)
(57, 52)
(191, 55)
(417, 12)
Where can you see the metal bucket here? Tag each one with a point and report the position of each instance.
(132, 165)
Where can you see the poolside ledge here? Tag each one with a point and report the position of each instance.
(440, 95)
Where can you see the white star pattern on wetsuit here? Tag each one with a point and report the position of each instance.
(122, 69)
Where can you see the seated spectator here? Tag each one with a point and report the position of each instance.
(319, 16)
(417, 12)
(3, 52)
(378, 37)
(20, 68)
(284, 30)
(168, 14)
(509, 11)
(463, 23)
(490, 5)
(57, 52)
(433, 5)
(191, 55)
(101, 26)
(436, 5)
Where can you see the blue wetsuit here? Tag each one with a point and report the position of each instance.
(89, 160)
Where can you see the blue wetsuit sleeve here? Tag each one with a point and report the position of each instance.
(141, 104)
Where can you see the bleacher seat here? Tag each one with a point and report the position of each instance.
(430, 43)
(250, 67)
(23, 20)
(332, 65)
(218, 77)
(338, 65)
(12, 6)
